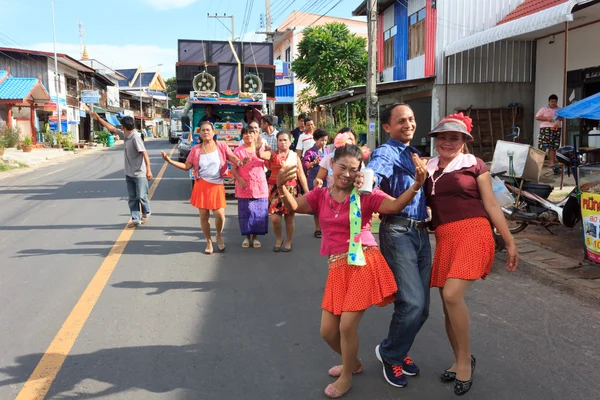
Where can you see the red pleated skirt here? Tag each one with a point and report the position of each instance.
(464, 250)
(356, 288)
(207, 195)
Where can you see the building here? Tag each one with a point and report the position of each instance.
(150, 90)
(19, 100)
(495, 60)
(285, 46)
(73, 76)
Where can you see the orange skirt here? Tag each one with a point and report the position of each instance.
(464, 250)
(207, 195)
(355, 288)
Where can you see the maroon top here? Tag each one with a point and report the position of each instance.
(456, 195)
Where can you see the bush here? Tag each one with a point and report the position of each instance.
(27, 141)
(67, 142)
(102, 137)
(9, 137)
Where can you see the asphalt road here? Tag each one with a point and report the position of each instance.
(173, 323)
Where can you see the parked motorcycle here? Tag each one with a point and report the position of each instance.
(531, 199)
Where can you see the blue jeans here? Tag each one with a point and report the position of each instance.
(137, 188)
(408, 253)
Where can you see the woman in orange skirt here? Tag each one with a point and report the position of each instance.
(459, 192)
(359, 276)
(209, 161)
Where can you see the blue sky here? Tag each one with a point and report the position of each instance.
(129, 33)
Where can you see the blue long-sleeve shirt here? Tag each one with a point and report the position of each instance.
(395, 173)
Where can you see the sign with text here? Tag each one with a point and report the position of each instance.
(590, 213)
(90, 96)
(50, 106)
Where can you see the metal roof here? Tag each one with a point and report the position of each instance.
(22, 89)
(128, 74)
(61, 58)
(382, 5)
(527, 27)
(3, 74)
(529, 7)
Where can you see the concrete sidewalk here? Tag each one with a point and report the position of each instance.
(579, 277)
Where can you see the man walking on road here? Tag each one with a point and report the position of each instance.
(306, 140)
(404, 243)
(269, 133)
(137, 168)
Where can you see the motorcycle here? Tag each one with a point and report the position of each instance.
(532, 206)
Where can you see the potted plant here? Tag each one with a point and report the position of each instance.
(27, 145)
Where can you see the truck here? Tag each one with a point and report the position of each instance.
(228, 76)
(177, 127)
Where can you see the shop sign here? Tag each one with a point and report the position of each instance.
(50, 106)
(591, 73)
(590, 213)
(90, 96)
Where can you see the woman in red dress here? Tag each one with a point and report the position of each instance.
(459, 192)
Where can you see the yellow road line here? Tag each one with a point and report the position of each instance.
(45, 372)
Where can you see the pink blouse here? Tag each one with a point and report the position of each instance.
(253, 173)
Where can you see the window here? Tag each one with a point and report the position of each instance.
(71, 86)
(389, 38)
(416, 34)
(288, 54)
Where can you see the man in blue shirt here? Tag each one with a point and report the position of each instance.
(404, 243)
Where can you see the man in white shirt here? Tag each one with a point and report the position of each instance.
(306, 140)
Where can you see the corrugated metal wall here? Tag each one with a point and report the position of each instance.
(401, 41)
(496, 62)
(26, 66)
(458, 19)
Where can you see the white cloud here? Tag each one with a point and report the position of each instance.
(168, 4)
(119, 57)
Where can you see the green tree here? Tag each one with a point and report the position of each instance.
(331, 58)
(172, 93)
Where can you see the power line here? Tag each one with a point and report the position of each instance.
(321, 16)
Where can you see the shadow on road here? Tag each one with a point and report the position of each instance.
(162, 287)
(120, 368)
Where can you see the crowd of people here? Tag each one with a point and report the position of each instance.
(279, 174)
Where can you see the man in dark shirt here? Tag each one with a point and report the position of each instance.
(210, 115)
(299, 130)
(404, 243)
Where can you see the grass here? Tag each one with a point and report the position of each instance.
(16, 165)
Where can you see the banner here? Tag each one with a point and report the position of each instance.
(90, 96)
(590, 214)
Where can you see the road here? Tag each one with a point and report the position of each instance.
(173, 323)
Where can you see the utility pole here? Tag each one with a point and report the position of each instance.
(372, 101)
(232, 30)
(56, 78)
(268, 29)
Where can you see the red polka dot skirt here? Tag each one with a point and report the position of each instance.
(356, 288)
(464, 250)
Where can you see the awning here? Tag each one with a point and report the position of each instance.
(112, 119)
(522, 26)
(588, 108)
(355, 93)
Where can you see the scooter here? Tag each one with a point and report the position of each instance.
(531, 200)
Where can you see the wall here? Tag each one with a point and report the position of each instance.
(415, 5)
(415, 68)
(485, 95)
(549, 63)
(25, 66)
(458, 19)
(388, 23)
(62, 71)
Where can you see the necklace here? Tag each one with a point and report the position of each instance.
(336, 212)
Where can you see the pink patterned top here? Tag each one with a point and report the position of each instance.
(253, 173)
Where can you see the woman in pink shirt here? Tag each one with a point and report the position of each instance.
(359, 276)
(550, 131)
(251, 190)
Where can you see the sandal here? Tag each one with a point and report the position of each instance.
(318, 234)
(333, 393)
(256, 244)
(246, 243)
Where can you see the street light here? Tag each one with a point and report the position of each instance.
(141, 92)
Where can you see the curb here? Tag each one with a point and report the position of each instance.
(577, 277)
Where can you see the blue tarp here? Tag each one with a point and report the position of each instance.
(588, 108)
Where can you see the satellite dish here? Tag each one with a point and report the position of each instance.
(252, 84)
(204, 82)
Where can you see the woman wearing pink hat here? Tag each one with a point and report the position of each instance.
(459, 192)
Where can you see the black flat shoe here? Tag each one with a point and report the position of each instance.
(462, 387)
(449, 376)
